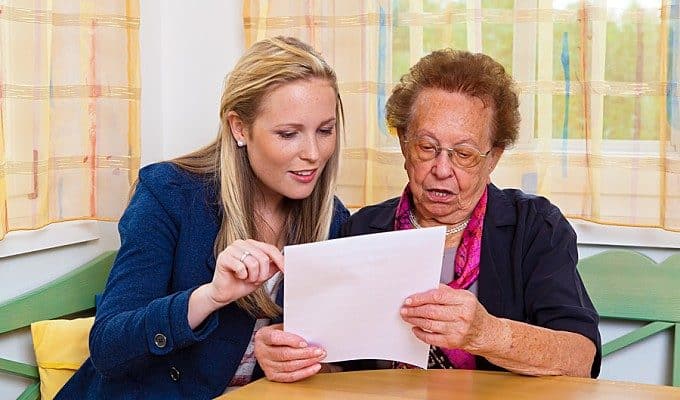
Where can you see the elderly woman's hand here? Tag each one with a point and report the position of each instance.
(286, 357)
(449, 318)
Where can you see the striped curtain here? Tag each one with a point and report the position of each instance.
(69, 110)
(598, 83)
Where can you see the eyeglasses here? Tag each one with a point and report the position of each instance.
(461, 155)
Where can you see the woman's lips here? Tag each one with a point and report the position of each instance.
(304, 176)
(439, 195)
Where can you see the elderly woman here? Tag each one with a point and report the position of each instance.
(515, 300)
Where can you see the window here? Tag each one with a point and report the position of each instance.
(598, 83)
(69, 110)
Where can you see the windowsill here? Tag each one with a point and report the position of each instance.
(51, 236)
(592, 233)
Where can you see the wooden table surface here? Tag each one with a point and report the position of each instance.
(447, 384)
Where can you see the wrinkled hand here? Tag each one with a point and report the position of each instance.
(449, 318)
(237, 276)
(286, 357)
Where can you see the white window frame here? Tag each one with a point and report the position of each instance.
(599, 234)
(51, 236)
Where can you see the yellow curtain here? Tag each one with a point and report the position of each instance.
(69, 110)
(598, 83)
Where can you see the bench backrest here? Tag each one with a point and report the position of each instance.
(627, 285)
(67, 295)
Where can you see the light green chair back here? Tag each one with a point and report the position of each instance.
(627, 285)
(69, 294)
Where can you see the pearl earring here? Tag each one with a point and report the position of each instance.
(240, 143)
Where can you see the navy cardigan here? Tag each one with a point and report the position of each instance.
(527, 269)
(141, 344)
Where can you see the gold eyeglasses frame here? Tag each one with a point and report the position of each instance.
(453, 153)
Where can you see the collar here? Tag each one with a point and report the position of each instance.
(500, 210)
(383, 221)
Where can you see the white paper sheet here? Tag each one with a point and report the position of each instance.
(345, 294)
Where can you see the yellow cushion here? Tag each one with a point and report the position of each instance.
(61, 347)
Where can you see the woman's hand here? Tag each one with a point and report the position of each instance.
(454, 319)
(240, 269)
(449, 318)
(286, 357)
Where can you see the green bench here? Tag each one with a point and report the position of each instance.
(626, 285)
(73, 293)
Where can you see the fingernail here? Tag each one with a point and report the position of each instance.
(302, 344)
(403, 311)
(408, 301)
(318, 352)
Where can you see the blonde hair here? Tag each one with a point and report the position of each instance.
(266, 65)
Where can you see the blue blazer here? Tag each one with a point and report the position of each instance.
(141, 345)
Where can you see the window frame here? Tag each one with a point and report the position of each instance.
(54, 235)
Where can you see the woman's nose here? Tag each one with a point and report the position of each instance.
(310, 150)
(443, 166)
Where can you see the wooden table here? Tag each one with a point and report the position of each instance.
(447, 384)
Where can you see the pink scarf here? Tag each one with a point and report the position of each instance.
(467, 260)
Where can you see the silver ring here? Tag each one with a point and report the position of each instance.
(245, 254)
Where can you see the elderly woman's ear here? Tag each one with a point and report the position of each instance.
(496, 152)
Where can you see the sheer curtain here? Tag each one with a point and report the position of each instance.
(69, 110)
(598, 81)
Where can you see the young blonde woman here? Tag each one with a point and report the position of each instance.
(196, 275)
